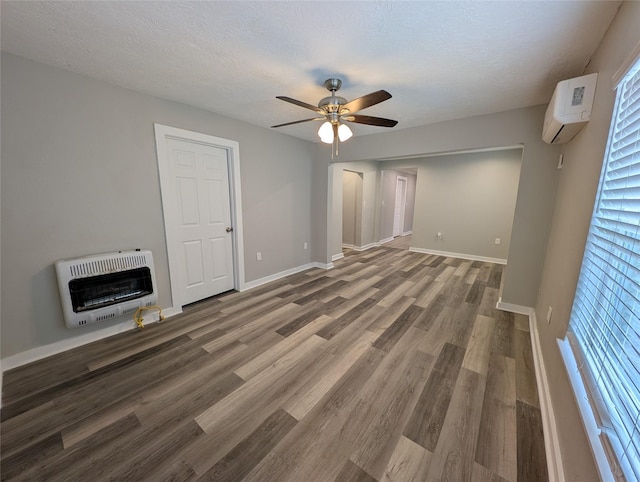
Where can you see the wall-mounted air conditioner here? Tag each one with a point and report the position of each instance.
(569, 109)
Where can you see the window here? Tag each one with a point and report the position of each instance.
(604, 329)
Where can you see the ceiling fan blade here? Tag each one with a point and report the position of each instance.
(366, 101)
(299, 102)
(298, 122)
(372, 121)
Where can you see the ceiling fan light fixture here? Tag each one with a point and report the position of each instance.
(344, 132)
(326, 132)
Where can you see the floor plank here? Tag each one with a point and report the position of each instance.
(453, 455)
(247, 454)
(409, 462)
(386, 402)
(497, 441)
(425, 424)
(352, 473)
(532, 465)
(526, 387)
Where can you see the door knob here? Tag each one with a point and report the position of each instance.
(228, 230)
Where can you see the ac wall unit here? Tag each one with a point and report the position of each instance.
(569, 109)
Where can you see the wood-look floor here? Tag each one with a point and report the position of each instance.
(394, 366)
(400, 242)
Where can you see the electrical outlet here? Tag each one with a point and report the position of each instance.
(549, 311)
(259, 256)
(306, 245)
(498, 241)
(439, 235)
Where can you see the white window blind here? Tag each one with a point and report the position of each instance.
(605, 319)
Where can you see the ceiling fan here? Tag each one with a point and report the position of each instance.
(335, 110)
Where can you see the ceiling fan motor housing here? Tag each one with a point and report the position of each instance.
(332, 103)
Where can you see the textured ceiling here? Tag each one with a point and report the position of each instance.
(439, 60)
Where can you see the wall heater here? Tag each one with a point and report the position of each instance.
(105, 286)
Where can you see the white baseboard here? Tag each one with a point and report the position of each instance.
(549, 427)
(315, 264)
(384, 241)
(448, 254)
(40, 352)
(336, 257)
(358, 248)
(282, 274)
(288, 272)
(407, 233)
(520, 309)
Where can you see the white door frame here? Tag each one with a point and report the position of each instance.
(233, 159)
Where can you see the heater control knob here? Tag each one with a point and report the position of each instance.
(229, 230)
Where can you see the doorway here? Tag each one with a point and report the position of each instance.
(200, 187)
(352, 186)
(399, 206)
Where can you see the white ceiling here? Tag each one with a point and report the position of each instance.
(439, 60)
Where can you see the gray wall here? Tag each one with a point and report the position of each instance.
(469, 198)
(572, 214)
(80, 176)
(536, 188)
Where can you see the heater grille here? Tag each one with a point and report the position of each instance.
(106, 265)
(105, 286)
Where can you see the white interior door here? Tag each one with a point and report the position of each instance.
(401, 201)
(201, 198)
(204, 243)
